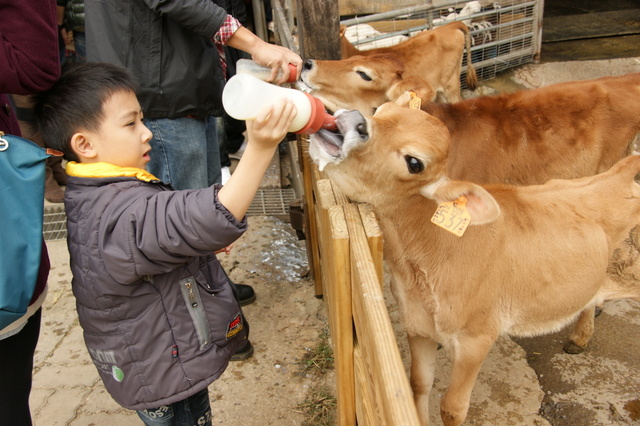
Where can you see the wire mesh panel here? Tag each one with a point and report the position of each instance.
(504, 34)
(271, 202)
(55, 223)
(267, 202)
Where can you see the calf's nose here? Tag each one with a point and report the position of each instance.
(308, 64)
(353, 121)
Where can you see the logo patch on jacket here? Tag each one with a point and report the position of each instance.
(234, 326)
(105, 361)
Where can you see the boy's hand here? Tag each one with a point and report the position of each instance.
(271, 124)
(226, 250)
(263, 136)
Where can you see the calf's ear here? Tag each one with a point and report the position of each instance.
(481, 205)
(400, 91)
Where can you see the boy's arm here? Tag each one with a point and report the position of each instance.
(263, 134)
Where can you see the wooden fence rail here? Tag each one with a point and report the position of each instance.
(344, 245)
(345, 256)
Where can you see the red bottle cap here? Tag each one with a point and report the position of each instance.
(320, 119)
(293, 74)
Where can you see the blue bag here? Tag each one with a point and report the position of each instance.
(22, 173)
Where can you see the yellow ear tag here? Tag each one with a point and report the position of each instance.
(453, 216)
(414, 101)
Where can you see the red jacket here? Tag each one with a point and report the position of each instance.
(29, 63)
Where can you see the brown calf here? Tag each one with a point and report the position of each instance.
(564, 130)
(534, 258)
(434, 55)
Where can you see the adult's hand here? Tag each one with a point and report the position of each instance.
(273, 56)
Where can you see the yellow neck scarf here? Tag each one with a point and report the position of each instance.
(101, 170)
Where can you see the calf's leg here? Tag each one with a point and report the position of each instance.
(423, 362)
(582, 331)
(468, 355)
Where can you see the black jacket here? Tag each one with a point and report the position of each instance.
(167, 46)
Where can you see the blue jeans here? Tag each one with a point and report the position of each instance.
(80, 43)
(185, 152)
(193, 411)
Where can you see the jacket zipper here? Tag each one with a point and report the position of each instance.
(196, 311)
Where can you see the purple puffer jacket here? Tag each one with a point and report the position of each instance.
(158, 313)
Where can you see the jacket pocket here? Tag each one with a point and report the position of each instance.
(226, 321)
(195, 307)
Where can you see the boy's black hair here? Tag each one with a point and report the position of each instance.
(75, 102)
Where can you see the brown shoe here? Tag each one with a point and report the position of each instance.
(52, 191)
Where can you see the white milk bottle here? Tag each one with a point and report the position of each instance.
(244, 95)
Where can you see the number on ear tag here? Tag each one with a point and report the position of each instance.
(453, 216)
(414, 101)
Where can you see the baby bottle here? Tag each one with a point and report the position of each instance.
(249, 66)
(244, 95)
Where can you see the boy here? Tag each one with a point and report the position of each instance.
(160, 320)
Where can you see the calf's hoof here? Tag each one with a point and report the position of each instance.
(572, 348)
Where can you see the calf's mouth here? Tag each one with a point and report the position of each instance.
(351, 130)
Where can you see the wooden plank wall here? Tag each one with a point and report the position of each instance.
(362, 7)
(346, 258)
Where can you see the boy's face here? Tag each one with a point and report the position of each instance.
(123, 139)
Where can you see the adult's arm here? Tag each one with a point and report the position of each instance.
(29, 56)
(206, 18)
(201, 17)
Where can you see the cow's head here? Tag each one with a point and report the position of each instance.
(359, 82)
(394, 155)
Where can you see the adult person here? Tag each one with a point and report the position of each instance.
(233, 135)
(29, 63)
(55, 177)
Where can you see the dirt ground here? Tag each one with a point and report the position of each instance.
(286, 323)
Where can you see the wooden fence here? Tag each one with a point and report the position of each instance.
(344, 246)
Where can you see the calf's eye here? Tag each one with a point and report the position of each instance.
(414, 165)
(363, 75)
